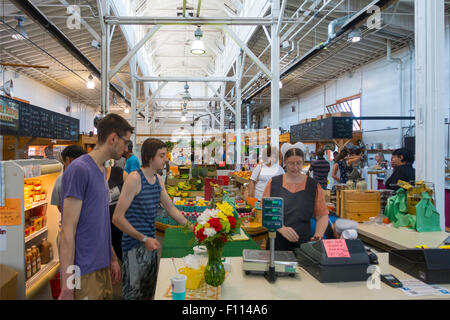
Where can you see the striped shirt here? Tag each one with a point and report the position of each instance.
(142, 212)
(320, 169)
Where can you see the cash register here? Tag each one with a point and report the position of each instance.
(312, 257)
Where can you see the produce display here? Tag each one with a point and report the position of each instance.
(196, 184)
(243, 174)
(174, 192)
(33, 192)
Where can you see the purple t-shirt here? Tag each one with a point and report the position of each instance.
(84, 180)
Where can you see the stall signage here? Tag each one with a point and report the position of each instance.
(9, 116)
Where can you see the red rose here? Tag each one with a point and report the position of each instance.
(232, 221)
(201, 235)
(215, 223)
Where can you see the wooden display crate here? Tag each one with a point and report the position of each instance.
(359, 205)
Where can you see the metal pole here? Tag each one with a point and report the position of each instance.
(240, 21)
(186, 79)
(238, 124)
(133, 101)
(430, 146)
(275, 84)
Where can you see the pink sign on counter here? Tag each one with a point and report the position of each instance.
(336, 248)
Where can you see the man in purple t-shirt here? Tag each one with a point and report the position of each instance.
(86, 247)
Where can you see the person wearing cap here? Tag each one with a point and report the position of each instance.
(132, 163)
(303, 199)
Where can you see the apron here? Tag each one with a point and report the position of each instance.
(298, 211)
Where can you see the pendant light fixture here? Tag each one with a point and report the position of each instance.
(20, 33)
(90, 84)
(355, 36)
(198, 47)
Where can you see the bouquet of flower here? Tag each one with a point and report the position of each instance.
(213, 229)
(216, 224)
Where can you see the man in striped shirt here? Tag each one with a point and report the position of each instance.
(320, 169)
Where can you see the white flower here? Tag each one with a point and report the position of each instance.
(210, 232)
(204, 217)
(214, 213)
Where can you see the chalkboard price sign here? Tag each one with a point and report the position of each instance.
(325, 129)
(33, 121)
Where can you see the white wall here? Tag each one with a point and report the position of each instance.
(379, 85)
(42, 96)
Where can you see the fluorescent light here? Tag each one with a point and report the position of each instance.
(355, 36)
(90, 84)
(281, 84)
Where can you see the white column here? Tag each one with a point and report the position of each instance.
(238, 124)
(105, 63)
(133, 101)
(275, 84)
(430, 145)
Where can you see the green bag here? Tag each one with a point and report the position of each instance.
(395, 205)
(405, 220)
(427, 217)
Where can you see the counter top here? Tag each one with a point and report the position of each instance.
(239, 286)
(402, 238)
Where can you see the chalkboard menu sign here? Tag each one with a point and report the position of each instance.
(325, 129)
(34, 121)
(9, 116)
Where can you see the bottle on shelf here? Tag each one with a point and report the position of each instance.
(28, 260)
(37, 254)
(33, 262)
(46, 251)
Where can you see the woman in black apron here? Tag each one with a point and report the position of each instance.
(299, 203)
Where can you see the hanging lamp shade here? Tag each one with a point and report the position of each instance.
(198, 47)
(20, 33)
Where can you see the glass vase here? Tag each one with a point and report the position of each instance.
(215, 271)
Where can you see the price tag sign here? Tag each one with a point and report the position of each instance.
(272, 213)
(336, 248)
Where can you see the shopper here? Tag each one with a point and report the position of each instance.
(69, 154)
(401, 161)
(344, 163)
(120, 163)
(132, 163)
(135, 215)
(303, 198)
(320, 169)
(115, 177)
(380, 165)
(262, 173)
(86, 229)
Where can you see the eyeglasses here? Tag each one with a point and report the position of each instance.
(127, 142)
(292, 164)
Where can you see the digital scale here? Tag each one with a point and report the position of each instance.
(257, 262)
(270, 263)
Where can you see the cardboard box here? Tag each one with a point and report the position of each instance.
(342, 114)
(8, 283)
